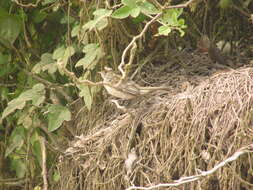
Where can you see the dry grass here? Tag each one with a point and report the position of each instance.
(177, 135)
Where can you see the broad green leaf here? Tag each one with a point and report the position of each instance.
(19, 166)
(46, 64)
(86, 94)
(170, 16)
(14, 105)
(122, 12)
(47, 58)
(10, 27)
(225, 3)
(129, 3)
(135, 12)
(148, 8)
(139, 18)
(25, 119)
(92, 55)
(68, 52)
(99, 21)
(56, 116)
(181, 22)
(36, 94)
(101, 24)
(36, 147)
(102, 13)
(59, 52)
(164, 30)
(89, 25)
(75, 31)
(171, 21)
(90, 47)
(17, 142)
(66, 19)
(86, 61)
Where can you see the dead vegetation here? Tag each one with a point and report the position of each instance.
(193, 128)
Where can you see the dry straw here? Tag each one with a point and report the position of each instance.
(177, 135)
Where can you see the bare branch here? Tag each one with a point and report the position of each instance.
(44, 163)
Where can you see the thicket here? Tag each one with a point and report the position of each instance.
(52, 50)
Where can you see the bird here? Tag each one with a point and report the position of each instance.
(126, 89)
(215, 54)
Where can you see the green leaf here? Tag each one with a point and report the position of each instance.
(171, 15)
(36, 147)
(181, 22)
(86, 61)
(56, 116)
(25, 119)
(66, 19)
(122, 12)
(148, 8)
(13, 105)
(19, 166)
(164, 30)
(68, 53)
(10, 27)
(90, 47)
(102, 13)
(36, 94)
(225, 3)
(100, 20)
(58, 53)
(17, 142)
(75, 31)
(101, 24)
(46, 64)
(129, 3)
(92, 55)
(89, 25)
(47, 58)
(135, 12)
(139, 18)
(86, 94)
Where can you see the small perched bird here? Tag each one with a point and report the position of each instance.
(127, 89)
(214, 53)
